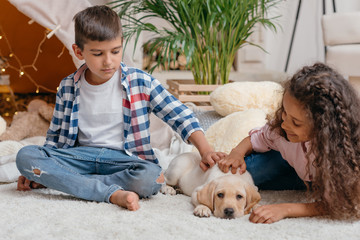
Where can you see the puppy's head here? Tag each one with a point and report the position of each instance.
(229, 196)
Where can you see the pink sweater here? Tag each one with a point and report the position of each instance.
(262, 140)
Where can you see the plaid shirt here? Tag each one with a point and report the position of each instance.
(142, 94)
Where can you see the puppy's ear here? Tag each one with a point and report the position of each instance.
(206, 195)
(252, 197)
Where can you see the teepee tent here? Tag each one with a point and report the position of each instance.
(57, 15)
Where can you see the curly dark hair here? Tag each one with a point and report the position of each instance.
(333, 107)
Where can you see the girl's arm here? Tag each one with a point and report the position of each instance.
(275, 212)
(235, 159)
(208, 156)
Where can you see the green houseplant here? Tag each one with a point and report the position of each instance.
(207, 32)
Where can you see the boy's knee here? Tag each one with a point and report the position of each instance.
(25, 156)
(146, 191)
(150, 183)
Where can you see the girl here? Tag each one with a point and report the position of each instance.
(316, 130)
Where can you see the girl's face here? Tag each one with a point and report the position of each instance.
(295, 123)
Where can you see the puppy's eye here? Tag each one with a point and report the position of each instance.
(238, 197)
(220, 195)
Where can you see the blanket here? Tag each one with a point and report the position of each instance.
(8, 151)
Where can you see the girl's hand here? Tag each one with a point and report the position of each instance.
(268, 213)
(235, 159)
(232, 162)
(209, 159)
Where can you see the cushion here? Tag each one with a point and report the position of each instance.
(341, 28)
(226, 133)
(2, 125)
(344, 58)
(240, 96)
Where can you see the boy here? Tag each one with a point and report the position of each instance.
(98, 143)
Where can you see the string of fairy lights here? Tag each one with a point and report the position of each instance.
(8, 55)
(10, 61)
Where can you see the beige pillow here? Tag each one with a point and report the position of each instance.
(240, 96)
(226, 133)
(2, 125)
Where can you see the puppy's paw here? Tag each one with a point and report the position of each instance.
(202, 211)
(168, 190)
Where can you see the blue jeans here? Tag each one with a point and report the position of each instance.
(271, 172)
(87, 172)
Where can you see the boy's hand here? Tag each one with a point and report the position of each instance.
(209, 159)
(234, 163)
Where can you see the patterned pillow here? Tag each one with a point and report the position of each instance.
(207, 118)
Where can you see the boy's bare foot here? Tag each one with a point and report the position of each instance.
(25, 184)
(125, 199)
(36, 185)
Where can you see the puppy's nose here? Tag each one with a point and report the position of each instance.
(229, 212)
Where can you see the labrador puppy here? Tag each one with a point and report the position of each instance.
(226, 195)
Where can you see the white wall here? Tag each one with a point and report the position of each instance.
(307, 45)
(99, 2)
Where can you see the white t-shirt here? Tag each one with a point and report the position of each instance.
(100, 114)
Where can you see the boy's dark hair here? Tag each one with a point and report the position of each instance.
(333, 108)
(97, 23)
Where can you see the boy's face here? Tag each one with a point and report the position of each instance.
(102, 58)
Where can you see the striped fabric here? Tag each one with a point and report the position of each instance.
(142, 94)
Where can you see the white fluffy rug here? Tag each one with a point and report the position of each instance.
(48, 214)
